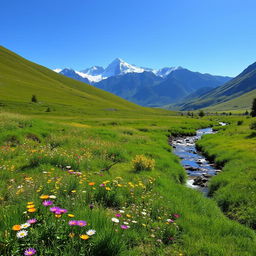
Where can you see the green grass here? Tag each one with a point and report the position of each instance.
(234, 189)
(37, 163)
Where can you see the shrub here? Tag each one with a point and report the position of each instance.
(140, 162)
(240, 122)
(34, 98)
(253, 126)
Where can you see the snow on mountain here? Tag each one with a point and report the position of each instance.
(116, 67)
(91, 78)
(93, 71)
(120, 67)
(163, 72)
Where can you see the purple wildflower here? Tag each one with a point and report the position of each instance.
(32, 221)
(47, 202)
(118, 215)
(81, 223)
(63, 210)
(72, 222)
(91, 206)
(102, 185)
(124, 227)
(54, 209)
(30, 251)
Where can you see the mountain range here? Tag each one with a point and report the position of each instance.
(145, 86)
(236, 94)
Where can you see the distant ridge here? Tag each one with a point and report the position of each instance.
(145, 86)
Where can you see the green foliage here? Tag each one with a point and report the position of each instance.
(253, 112)
(253, 125)
(34, 98)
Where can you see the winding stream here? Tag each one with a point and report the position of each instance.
(199, 170)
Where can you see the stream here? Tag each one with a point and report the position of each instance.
(198, 168)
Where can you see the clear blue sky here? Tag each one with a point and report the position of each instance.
(213, 36)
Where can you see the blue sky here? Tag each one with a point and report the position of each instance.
(210, 36)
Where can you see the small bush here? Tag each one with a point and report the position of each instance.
(240, 122)
(140, 162)
(253, 126)
(34, 99)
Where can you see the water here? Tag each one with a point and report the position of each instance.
(198, 168)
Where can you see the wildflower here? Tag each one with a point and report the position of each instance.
(54, 209)
(71, 215)
(118, 215)
(170, 220)
(121, 211)
(102, 185)
(115, 220)
(81, 223)
(91, 206)
(32, 210)
(126, 223)
(63, 210)
(30, 206)
(124, 227)
(16, 227)
(91, 232)
(47, 203)
(176, 216)
(71, 235)
(58, 215)
(108, 188)
(30, 251)
(134, 221)
(84, 237)
(44, 197)
(72, 223)
(25, 225)
(91, 183)
(22, 233)
(32, 221)
(128, 216)
(143, 213)
(52, 196)
(30, 203)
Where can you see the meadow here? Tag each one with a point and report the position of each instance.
(71, 186)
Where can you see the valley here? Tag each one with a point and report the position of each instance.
(88, 173)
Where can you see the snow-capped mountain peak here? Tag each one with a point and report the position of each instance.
(120, 67)
(115, 68)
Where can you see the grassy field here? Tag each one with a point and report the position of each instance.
(84, 172)
(159, 215)
(234, 147)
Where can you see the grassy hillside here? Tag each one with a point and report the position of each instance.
(241, 103)
(20, 79)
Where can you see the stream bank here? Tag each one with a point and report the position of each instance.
(198, 168)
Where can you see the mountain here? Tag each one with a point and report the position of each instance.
(146, 86)
(73, 74)
(115, 68)
(240, 86)
(20, 79)
(148, 89)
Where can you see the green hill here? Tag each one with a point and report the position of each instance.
(20, 79)
(234, 95)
